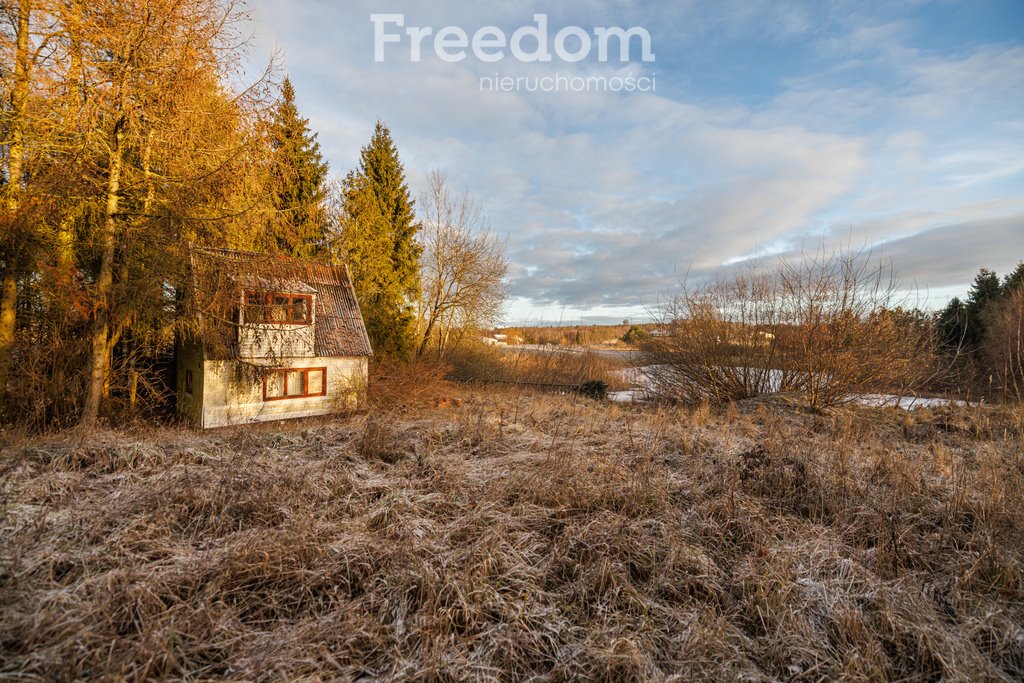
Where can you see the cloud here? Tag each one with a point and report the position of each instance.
(835, 125)
(951, 255)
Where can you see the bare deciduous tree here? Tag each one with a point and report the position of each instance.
(463, 267)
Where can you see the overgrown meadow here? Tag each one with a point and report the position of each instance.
(513, 535)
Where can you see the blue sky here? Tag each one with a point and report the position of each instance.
(895, 125)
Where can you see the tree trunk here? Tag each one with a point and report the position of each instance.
(427, 332)
(66, 247)
(8, 308)
(147, 174)
(15, 169)
(75, 100)
(19, 98)
(100, 364)
(133, 392)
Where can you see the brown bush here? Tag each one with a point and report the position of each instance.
(472, 361)
(1004, 345)
(825, 327)
(403, 385)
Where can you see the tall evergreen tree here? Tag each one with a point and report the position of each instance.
(952, 323)
(1013, 281)
(985, 290)
(378, 241)
(298, 180)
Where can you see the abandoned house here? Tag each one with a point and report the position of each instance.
(272, 338)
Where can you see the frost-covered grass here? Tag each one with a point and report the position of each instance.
(521, 536)
(642, 386)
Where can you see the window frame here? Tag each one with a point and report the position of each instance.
(189, 387)
(305, 382)
(267, 297)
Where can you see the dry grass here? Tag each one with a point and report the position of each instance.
(555, 366)
(524, 536)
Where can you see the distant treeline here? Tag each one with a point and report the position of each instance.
(579, 335)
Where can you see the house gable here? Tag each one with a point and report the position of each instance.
(289, 340)
(277, 324)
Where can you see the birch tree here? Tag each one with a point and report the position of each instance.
(463, 267)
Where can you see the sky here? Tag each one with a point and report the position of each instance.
(771, 128)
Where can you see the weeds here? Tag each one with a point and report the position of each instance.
(524, 535)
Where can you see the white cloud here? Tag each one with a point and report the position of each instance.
(607, 198)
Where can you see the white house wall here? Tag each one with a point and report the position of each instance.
(269, 341)
(234, 397)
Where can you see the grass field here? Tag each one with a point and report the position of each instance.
(523, 536)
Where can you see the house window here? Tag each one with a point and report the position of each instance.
(282, 383)
(278, 309)
(188, 381)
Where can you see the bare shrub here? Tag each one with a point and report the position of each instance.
(395, 385)
(844, 329)
(827, 327)
(717, 340)
(472, 361)
(1004, 345)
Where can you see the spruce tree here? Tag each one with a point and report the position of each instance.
(298, 177)
(378, 241)
(1014, 280)
(952, 323)
(985, 290)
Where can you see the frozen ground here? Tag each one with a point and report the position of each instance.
(641, 391)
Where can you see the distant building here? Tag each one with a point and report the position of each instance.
(501, 339)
